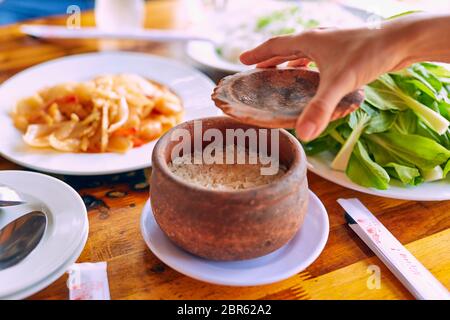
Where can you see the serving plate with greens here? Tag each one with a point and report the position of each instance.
(397, 144)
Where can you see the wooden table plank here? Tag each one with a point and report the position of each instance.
(135, 273)
(351, 281)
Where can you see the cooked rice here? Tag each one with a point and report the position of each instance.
(223, 176)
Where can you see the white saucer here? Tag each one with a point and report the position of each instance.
(44, 283)
(287, 261)
(63, 240)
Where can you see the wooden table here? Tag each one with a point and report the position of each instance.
(341, 271)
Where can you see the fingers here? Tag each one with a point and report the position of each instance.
(283, 46)
(340, 113)
(274, 61)
(294, 61)
(316, 116)
(302, 62)
(337, 113)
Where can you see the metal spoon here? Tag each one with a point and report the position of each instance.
(20, 237)
(9, 197)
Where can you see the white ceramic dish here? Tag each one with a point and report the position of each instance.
(240, 12)
(205, 54)
(428, 191)
(292, 258)
(35, 288)
(63, 240)
(192, 86)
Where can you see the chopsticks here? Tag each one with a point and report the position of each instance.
(411, 273)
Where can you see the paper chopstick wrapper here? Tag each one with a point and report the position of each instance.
(88, 281)
(414, 276)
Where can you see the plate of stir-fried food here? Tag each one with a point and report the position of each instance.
(110, 113)
(97, 113)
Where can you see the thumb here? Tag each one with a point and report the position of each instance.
(316, 116)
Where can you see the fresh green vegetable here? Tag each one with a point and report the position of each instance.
(219, 51)
(407, 175)
(281, 19)
(446, 169)
(366, 172)
(400, 132)
(423, 152)
(430, 117)
(382, 97)
(402, 14)
(282, 31)
(433, 174)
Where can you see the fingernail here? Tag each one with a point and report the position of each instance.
(243, 57)
(306, 130)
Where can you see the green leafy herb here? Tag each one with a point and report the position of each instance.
(358, 121)
(433, 174)
(431, 118)
(288, 19)
(282, 31)
(423, 152)
(401, 131)
(406, 174)
(366, 172)
(311, 23)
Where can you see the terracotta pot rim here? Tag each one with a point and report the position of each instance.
(227, 98)
(277, 186)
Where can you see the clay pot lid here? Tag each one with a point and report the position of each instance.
(273, 98)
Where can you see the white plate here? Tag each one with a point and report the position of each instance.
(63, 240)
(52, 277)
(192, 86)
(205, 54)
(428, 191)
(292, 258)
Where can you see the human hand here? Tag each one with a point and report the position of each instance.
(346, 59)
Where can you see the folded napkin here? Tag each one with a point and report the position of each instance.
(88, 281)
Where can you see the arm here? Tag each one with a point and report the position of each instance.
(428, 37)
(350, 58)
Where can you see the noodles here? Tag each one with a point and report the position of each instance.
(111, 113)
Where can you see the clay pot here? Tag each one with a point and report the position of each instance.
(229, 225)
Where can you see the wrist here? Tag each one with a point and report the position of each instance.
(399, 42)
(417, 38)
